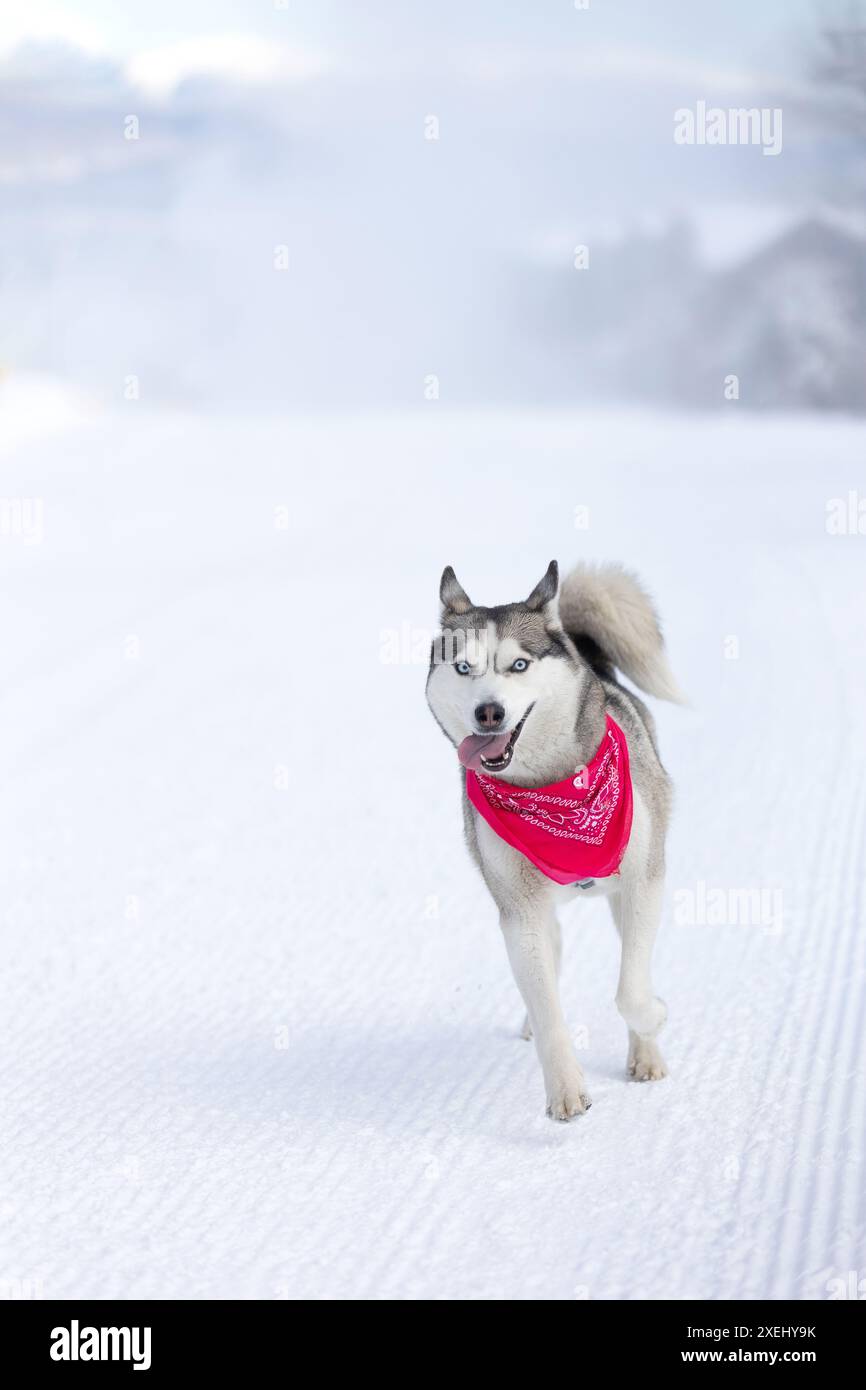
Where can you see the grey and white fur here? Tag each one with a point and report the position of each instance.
(545, 672)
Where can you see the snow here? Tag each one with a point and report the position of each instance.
(259, 1034)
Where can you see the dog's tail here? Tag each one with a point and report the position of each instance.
(613, 623)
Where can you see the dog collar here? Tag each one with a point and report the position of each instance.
(573, 830)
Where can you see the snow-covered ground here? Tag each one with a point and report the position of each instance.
(259, 1035)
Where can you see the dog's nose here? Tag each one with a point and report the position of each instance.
(489, 716)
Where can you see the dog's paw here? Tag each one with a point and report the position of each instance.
(567, 1099)
(526, 1030)
(645, 1061)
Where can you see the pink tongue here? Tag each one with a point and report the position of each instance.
(491, 745)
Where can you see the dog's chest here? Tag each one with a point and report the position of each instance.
(511, 867)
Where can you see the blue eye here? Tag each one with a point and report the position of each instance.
(462, 668)
(520, 664)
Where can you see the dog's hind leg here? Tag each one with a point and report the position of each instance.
(526, 1030)
(531, 943)
(636, 911)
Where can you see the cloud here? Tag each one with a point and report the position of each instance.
(24, 25)
(231, 57)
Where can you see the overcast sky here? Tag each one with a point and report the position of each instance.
(736, 34)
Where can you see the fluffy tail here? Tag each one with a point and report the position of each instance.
(606, 613)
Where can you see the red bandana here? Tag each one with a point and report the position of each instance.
(571, 830)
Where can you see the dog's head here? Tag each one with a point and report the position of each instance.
(502, 680)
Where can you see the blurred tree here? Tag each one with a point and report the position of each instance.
(837, 66)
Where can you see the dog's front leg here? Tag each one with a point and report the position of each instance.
(532, 949)
(526, 1030)
(636, 912)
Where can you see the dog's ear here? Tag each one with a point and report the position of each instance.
(546, 589)
(454, 597)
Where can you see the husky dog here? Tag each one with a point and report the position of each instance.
(530, 685)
